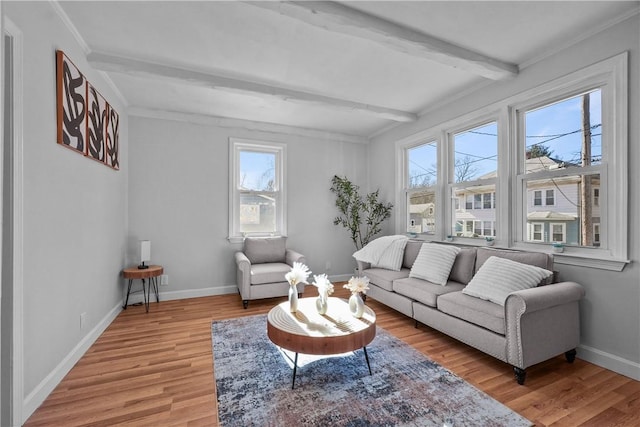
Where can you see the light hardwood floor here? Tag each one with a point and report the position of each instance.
(155, 369)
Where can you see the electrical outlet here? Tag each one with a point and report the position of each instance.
(83, 320)
(164, 280)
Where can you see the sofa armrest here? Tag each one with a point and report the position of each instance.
(362, 266)
(292, 256)
(542, 322)
(243, 274)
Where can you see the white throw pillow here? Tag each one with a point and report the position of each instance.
(392, 257)
(434, 263)
(498, 277)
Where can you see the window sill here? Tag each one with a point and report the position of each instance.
(592, 258)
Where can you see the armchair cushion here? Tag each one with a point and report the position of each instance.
(262, 250)
(268, 273)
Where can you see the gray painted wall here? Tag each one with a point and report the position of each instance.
(610, 313)
(179, 192)
(75, 215)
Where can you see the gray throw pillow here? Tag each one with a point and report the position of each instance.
(261, 250)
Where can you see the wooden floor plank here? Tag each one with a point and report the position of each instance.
(156, 369)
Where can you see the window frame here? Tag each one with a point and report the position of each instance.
(564, 232)
(236, 146)
(611, 77)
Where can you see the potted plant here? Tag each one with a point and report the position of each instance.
(362, 216)
(558, 247)
(490, 240)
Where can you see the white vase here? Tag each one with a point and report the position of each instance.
(356, 305)
(293, 298)
(321, 304)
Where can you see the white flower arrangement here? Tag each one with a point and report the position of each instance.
(325, 287)
(299, 273)
(358, 285)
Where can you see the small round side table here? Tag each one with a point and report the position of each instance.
(150, 273)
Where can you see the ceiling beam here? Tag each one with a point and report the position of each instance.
(336, 17)
(135, 67)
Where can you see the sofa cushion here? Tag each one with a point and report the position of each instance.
(384, 278)
(422, 291)
(434, 263)
(269, 273)
(474, 310)
(392, 257)
(462, 270)
(261, 250)
(538, 259)
(498, 277)
(411, 252)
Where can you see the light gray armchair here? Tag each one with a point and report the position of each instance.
(261, 267)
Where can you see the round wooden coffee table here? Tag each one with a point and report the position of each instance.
(308, 332)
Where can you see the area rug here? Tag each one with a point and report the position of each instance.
(253, 382)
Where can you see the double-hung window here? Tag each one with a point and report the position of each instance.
(257, 193)
(473, 170)
(558, 174)
(421, 177)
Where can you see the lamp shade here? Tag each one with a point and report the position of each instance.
(145, 250)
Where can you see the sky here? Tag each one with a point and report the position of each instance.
(555, 126)
(256, 169)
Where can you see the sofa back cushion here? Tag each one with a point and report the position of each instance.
(411, 252)
(499, 276)
(434, 263)
(463, 266)
(261, 250)
(538, 259)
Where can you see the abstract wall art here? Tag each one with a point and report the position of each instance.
(96, 124)
(86, 121)
(113, 124)
(71, 92)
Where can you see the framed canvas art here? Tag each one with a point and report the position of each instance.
(113, 124)
(96, 124)
(71, 104)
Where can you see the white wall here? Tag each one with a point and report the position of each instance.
(74, 214)
(178, 199)
(610, 313)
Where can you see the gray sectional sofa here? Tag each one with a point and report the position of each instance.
(534, 324)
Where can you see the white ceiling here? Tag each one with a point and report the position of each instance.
(349, 68)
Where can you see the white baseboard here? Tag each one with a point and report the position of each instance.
(183, 294)
(610, 361)
(46, 386)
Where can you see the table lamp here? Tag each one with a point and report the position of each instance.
(145, 253)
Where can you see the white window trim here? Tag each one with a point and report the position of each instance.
(611, 76)
(236, 145)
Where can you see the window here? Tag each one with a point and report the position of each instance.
(559, 171)
(537, 198)
(558, 232)
(486, 201)
(563, 153)
(536, 233)
(422, 175)
(550, 198)
(257, 192)
(474, 172)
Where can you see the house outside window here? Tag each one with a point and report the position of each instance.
(257, 194)
(550, 198)
(596, 197)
